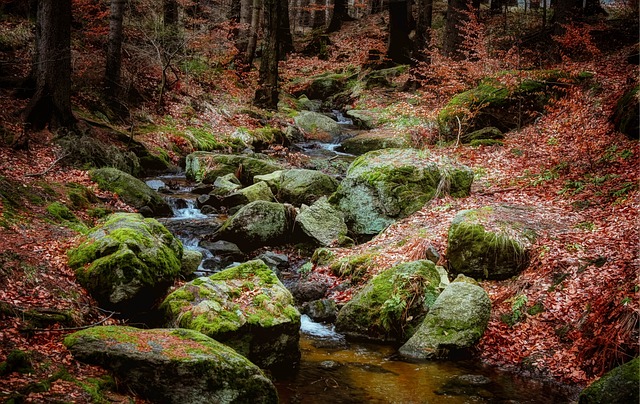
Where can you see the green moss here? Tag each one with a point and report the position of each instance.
(322, 256)
(620, 385)
(61, 214)
(486, 142)
(355, 267)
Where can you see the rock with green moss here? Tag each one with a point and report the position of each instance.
(384, 77)
(374, 140)
(258, 224)
(62, 214)
(325, 85)
(207, 167)
(245, 307)
(493, 103)
(173, 365)
(385, 185)
(625, 116)
(363, 119)
(127, 262)
(132, 191)
(455, 323)
(492, 242)
(488, 133)
(191, 260)
(261, 138)
(259, 191)
(317, 125)
(299, 186)
(392, 304)
(323, 223)
(620, 385)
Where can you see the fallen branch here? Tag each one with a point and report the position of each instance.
(48, 169)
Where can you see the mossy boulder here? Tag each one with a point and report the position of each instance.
(299, 186)
(488, 133)
(493, 103)
(173, 365)
(322, 223)
(363, 119)
(128, 262)
(392, 304)
(191, 260)
(132, 191)
(383, 77)
(492, 242)
(318, 126)
(385, 185)
(258, 224)
(245, 307)
(259, 191)
(374, 140)
(620, 385)
(625, 117)
(454, 324)
(325, 85)
(207, 167)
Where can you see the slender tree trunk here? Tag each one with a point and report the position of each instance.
(399, 45)
(423, 28)
(266, 95)
(285, 39)
(453, 39)
(51, 103)
(114, 50)
(318, 14)
(253, 33)
(340, 14)
(245, 9)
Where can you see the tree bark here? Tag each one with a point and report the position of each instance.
(51, 103)
(456, 17)
(285, 39)
(252, 35)
(266, 95)
(399, 44)
(114, 50)
(423, 27)
(340, 14)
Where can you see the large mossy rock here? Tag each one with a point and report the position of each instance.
(325, 85)
(318, 126)
(207, 167)
(625, 117)
(455, 323)
(374, 140)
(322, 223)
(363, 119)
(391, 305)
(385, 185)
(619, 386)
(492, 242)
(245, 307)
(132, 191)
(299, 186)
(128, 262)
(259, 191)
(173, 365)
(493, 103)
(258, 224)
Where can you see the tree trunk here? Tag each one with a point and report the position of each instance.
(423, 28)
(285, 39)
(453, 39)
(170, 12)
(51, 103)
(318, 14)
(266, 95)
(245, 10)
(252, 34)
(399, 45)
(340, 14)
(114, 50)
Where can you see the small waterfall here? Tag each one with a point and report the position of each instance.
(318, 330)
(342, 120)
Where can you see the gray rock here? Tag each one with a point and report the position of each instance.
(207, 167)
(324, 310)
(620, 385)
(299, 186)
(370, 141)
(173, 365)
(257, 192)
(323, 223)
(362, 119)
(317, 126)
(456, 322)
(191, 260)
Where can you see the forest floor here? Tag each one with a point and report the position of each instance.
(570, 163)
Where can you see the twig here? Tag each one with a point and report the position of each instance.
(111, 314)
(48, 169)
(459, 131)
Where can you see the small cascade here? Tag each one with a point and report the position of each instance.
(342, 120)
(318, 330)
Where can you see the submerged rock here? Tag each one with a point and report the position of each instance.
(456, 321)
(391, 306)
(173, 365)
(128, 262)
(132, 190)
(385, 185)
(245, 307)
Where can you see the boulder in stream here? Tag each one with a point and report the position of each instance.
(127, 262)
(259, 191)
(385, 185)
(374, 140)
(132, 191)
(455, 322)
(392, 305)
(245, 307)
(299, 186)
(318, 126)
(620, 385)
(207, 167)
(173, 365)
(323, 223)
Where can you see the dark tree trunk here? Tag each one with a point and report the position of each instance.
(114, 50)
(453, 39)
(399, 45)
(376, 6)
(51, 103)
(252, 33)
(266, 95)
(170, 12)
(285, 39)
(340, 14)
(318, 14)
(423, 27)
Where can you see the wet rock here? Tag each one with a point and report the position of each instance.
(318, 126)
(207, 167)
(370, 141)
(245, 307)
(202, 189)
(455, 322)
(323, 223)
(323, 310)
(191, 260)
(308, 290)
(222, 248)
(620, 385)
(127, 262)
(172, 365)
